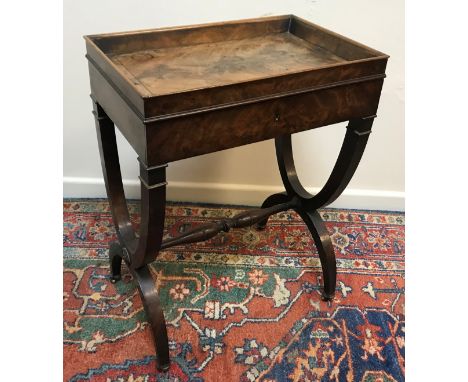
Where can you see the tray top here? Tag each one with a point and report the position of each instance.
(169, 71)
(177, 69)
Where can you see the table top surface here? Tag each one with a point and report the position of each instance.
(182, 68)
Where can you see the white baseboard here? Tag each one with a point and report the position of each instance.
(241, 194)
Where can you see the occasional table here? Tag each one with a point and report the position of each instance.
(176, 93)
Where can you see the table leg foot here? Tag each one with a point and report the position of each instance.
(115, 260)
(327, 297)
(164, 368)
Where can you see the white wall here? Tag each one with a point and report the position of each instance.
(244, 175)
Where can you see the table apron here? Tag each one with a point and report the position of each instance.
(189, 136)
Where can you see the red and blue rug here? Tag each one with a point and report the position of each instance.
(243, 306)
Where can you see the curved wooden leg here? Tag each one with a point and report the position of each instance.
(271, 201)
(287, 168)
(357, 134)
(135, 250)
(325, 249)
(151, 303)
(153, 208)
(154, 313)
(354, 143)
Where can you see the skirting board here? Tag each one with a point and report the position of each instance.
(240, 194)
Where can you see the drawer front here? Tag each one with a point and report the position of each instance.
(196, 134)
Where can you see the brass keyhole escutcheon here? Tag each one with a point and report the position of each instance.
(277, 117)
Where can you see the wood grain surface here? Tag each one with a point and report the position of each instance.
(177, 69)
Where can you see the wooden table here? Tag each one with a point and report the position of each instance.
(180, 92)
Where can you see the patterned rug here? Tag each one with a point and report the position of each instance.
(243, 306)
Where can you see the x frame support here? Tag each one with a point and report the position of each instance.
(138, 250)
(306, 205)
